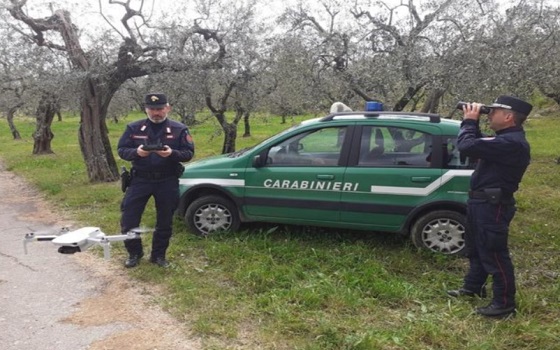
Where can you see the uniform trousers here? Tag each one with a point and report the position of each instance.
(166, 196)
(486, 242)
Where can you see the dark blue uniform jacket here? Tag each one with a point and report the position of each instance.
(503, 159)
(144, 132)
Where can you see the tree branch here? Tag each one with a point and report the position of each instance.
(60, 22)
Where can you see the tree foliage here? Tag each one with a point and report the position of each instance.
(234, 59)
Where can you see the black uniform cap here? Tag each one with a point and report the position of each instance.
(155, 100)
(513, 103)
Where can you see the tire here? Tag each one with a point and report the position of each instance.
(441, 231)
(210, 214)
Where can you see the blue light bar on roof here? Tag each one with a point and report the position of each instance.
(372, 106)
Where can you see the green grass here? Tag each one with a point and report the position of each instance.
(273, 287)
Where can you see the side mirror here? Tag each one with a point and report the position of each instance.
(259, 160)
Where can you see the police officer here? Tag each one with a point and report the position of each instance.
(156, 146)
(502, 161)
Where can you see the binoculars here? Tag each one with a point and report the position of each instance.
(483, 109)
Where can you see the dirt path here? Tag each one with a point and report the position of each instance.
(54, 301)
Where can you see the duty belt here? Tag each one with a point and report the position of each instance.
(477, 195)
(151, 175)
(492, 195)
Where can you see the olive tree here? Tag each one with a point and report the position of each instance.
(32, 81)
(12, 88)
(134, 51)
(294, 88)
(330, 37)
(225, 87)
(538, 34)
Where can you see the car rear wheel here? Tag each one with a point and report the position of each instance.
(210, 214)
(441, 231)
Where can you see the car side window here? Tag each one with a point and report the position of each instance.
(394, 147)
(315, 148)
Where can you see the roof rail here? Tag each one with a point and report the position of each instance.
(433, 118)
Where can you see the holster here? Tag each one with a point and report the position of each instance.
(493, 195)
(180, 169)
(126, 177)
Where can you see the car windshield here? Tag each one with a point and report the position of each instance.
(239, 153)
(244, 150)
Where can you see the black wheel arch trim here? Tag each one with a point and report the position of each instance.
(201, 190)
(431, 206)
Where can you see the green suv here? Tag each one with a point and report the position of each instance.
(377, 171)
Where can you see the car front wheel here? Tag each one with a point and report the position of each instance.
(211, 214)
(440, 231)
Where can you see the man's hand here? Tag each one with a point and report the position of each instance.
(141, 152)
(471, 111)
(166, 152)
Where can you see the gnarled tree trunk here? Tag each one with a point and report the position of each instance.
(44, 117)
(10, 118)
(230, 136)
(431, 104)
(247, 125)
(93, 134)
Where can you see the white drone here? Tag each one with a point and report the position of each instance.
(70, 242)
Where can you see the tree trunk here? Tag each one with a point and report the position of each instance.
(554, 96)
(13, 129)
(246, 124)
(230, 129)
(431, 104)
(188, 119)
(93, 134)
(408, 95)
(230, 136)
(44, 117)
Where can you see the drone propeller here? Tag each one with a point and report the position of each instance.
(141, 230)
(50, 232)
(44, 235)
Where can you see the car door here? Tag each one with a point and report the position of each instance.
(394, 169)
(302, 179)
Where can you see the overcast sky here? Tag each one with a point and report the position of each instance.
(86, 13)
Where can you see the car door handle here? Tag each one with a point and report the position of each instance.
(421, 179)
(325, 177)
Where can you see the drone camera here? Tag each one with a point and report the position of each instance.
(68, 250)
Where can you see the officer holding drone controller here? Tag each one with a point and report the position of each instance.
(502, 161)
(156, 146)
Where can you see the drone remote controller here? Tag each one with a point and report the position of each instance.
(154, 147)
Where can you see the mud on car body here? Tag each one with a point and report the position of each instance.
(377, 171)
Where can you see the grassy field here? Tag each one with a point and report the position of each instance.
(302, 288)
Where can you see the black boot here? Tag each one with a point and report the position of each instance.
(160, 261)
(133, 260)
(462, 292)
(495, 311)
